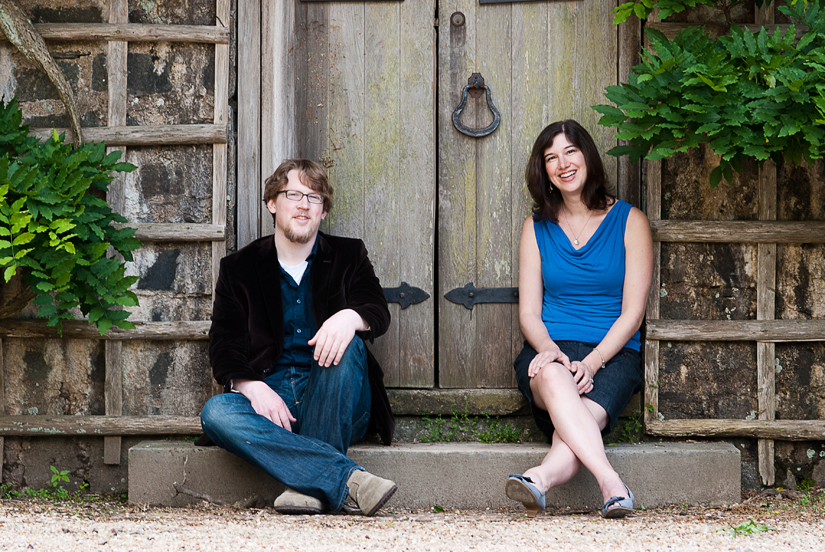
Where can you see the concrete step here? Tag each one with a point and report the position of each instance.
(452, 475)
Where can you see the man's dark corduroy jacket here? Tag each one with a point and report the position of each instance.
(247, 334)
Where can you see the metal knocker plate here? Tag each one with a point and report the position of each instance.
(476, 87)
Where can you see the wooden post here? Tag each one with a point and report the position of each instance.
(219, 151)
(651, 352)
(766, 298)
(628, 181)
(117, 73)
(765, 309)
(2, 405)
(249, 121)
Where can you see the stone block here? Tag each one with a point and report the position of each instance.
(452, 475)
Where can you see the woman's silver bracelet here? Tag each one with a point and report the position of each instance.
(600, 354)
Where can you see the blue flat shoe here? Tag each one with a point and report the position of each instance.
(523, 489)
(624, 506)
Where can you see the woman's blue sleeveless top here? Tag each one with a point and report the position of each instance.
(583, 288)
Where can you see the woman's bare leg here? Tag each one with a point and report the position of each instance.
(578, 427)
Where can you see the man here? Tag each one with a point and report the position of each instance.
(286, 343)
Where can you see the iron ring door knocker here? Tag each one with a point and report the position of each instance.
(476, 87)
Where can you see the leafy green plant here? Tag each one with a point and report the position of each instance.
(806, 485)
(748, 95)
(497, 432)
(749, 527)
(461, 427)
(643, 8)
(632, 429)
(438, 509)
(59, 476)
(55, 226)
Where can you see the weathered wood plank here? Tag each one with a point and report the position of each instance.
(249, 121)
(219, 151)
(457, 203)
(91, 426)
(765, 309)
(738, 231)
(530, 114)
(629, 176)
(416, 191)
(765, 15)
(651, 359)
(2, 405)
(147, 135)
(279, 92)
(385, 101)
(311, 80)
(779, 331)
(494, 238)
(130, 32)
(117, 76)
(176, 232)
(780, 430)
(670, 30)
(78, 329)
(113, 397)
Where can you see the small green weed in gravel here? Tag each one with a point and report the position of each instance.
(749, 527)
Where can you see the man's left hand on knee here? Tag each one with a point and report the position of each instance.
(335, 335)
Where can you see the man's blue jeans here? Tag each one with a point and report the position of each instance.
(332, 406)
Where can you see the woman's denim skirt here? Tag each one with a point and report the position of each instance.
(613, 386)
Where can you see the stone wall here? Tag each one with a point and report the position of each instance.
(718, 282)
(168, 83)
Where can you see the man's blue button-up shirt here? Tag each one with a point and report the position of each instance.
(299, 327)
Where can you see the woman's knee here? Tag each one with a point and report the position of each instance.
(550, 380)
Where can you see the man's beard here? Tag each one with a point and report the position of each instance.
(298, 238)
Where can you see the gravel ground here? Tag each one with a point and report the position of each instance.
(92, 525)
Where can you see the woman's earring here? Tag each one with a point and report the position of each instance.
(550, 188)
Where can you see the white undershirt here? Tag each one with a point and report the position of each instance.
(297, 271)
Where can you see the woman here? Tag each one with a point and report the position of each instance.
(585, 268)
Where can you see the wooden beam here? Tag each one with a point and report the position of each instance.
(703, 231)
(117, 73)
(176, 232)
(651, 347)
(147, 135)
(778, 331)
(130, 32)
(90, 426)
(670, 30)
(219, 152)
(250, 77)
(113, 397)
(765, 308)
(630, 38)
(79, 329)
(2, 405)
(781, 430)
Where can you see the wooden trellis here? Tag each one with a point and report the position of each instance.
(765, 331)
(118, 32)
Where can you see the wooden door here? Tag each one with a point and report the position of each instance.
(543, 61)
(351, 85)
(354, 85)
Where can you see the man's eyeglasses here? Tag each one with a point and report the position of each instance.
(295, 195)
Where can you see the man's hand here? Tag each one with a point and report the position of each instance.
(266, 402)
(335, 335)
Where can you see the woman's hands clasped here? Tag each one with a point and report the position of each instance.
(583, 376)
(582, 373)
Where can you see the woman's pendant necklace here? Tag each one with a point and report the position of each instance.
(576, 236)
